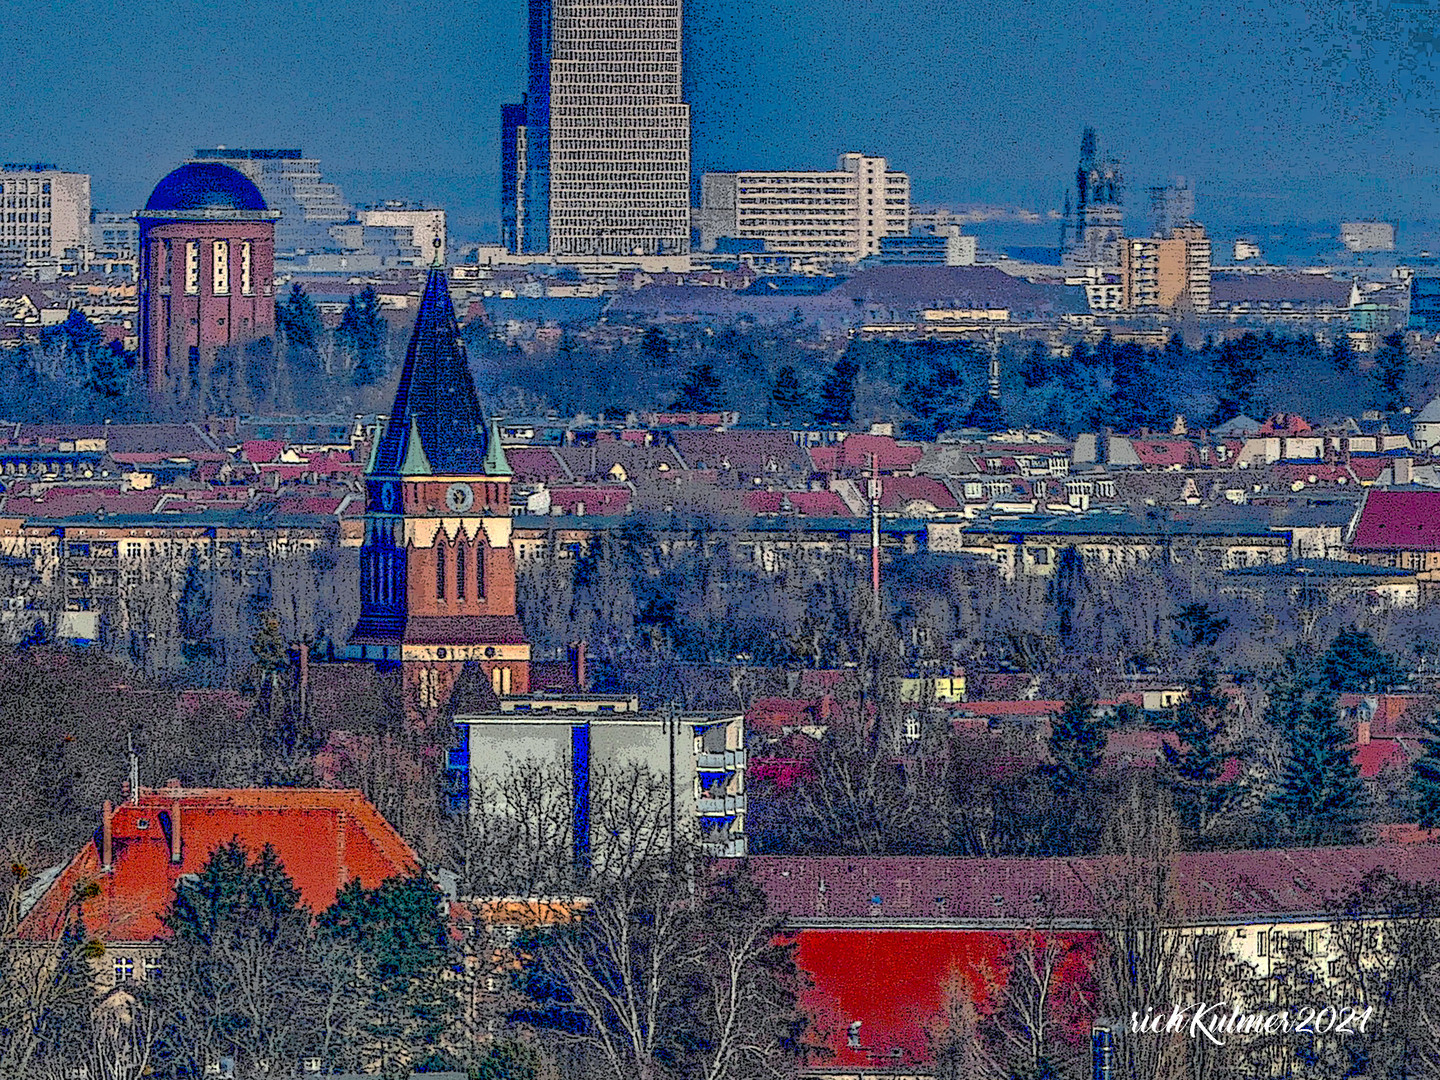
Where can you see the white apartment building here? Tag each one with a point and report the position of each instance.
(619, 132)
(426, 225)
(43, 212)
(839, 215)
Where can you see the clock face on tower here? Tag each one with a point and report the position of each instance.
(459, 497)
(389, 497)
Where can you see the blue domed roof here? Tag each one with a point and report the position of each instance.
(205, 185)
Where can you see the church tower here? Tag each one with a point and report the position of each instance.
(437, 570)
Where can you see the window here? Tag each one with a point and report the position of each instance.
(439, 573)
(124, 968)
(151, 967)
(220, 268)
(1262, 944)
(460, 572)
(247, 285)
(192, 266)
(480, 572)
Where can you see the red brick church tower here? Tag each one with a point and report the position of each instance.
(207, 281)
(437, 570)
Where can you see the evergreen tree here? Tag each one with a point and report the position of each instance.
(107, 374)
(395, 939)
(362, 333)
(655, 348)
(1077, 744)
(299, 319)
(986, 414)
(701, 390)
(1193, 771)
(1318, 797)
(1391, 366)
(1342, 355)
(1354, 663)
(785, 393)
(837, 393)
(1425, 775)
(194, 611)
(236, 966)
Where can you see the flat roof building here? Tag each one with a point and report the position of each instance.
(841, 215)
(44, 211)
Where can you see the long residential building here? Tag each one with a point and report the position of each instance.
(840, 215)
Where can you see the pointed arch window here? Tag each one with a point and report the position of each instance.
(480, 571)
(439, 569)
(460, 571)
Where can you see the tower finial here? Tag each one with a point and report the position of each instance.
(436, 243)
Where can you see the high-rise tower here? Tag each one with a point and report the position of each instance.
(601, 164)
(437, 571)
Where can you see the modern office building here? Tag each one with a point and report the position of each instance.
(596, 160)
(840, 215)
(44, 212)
(946, 247)
(207, 252)
(292, 185)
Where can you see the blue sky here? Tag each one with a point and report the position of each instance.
(1277, 110)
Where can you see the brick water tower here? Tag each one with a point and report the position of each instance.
(207, 273)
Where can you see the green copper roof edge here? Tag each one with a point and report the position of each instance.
(495, 464)
(415, 463)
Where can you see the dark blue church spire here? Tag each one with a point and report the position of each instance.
(436, 401)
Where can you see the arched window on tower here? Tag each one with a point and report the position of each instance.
(439, 569)
(460, 571)
(480, 569)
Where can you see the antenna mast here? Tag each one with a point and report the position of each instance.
(134, 768)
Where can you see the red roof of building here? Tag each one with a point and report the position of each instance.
(1166, 453)
(898, 492)
(1381, 755)
(1398, 520)
(324, 838)
(805, 503)
(536, 463)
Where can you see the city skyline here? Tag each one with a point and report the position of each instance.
(406, 104)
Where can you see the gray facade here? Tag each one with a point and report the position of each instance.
(697, 758)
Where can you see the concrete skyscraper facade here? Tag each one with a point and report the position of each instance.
(600, 166)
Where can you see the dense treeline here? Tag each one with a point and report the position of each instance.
(782, 375)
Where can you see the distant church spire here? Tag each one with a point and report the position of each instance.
(436, 398)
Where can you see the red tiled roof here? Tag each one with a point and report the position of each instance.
(1165, 453)
(807, 503)
(597, 499)
(262, 450)
(898, 492)
(1285, 424)
(1381, 755)
(535, 463)
(458, 630)
(749, 452)
(324, 838)
(1396, 520)
(890, 455)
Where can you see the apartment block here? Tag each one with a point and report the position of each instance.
(700, 758)
(841, 215)
(1166, 273)
(424, 226)
(44, 212)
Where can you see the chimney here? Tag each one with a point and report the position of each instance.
(1404, 471)
(175, 832)
(107, 837)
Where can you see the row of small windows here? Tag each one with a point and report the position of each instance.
(25, 187)
(672, 24)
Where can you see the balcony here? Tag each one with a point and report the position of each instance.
(720, 761)
(720, 805)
